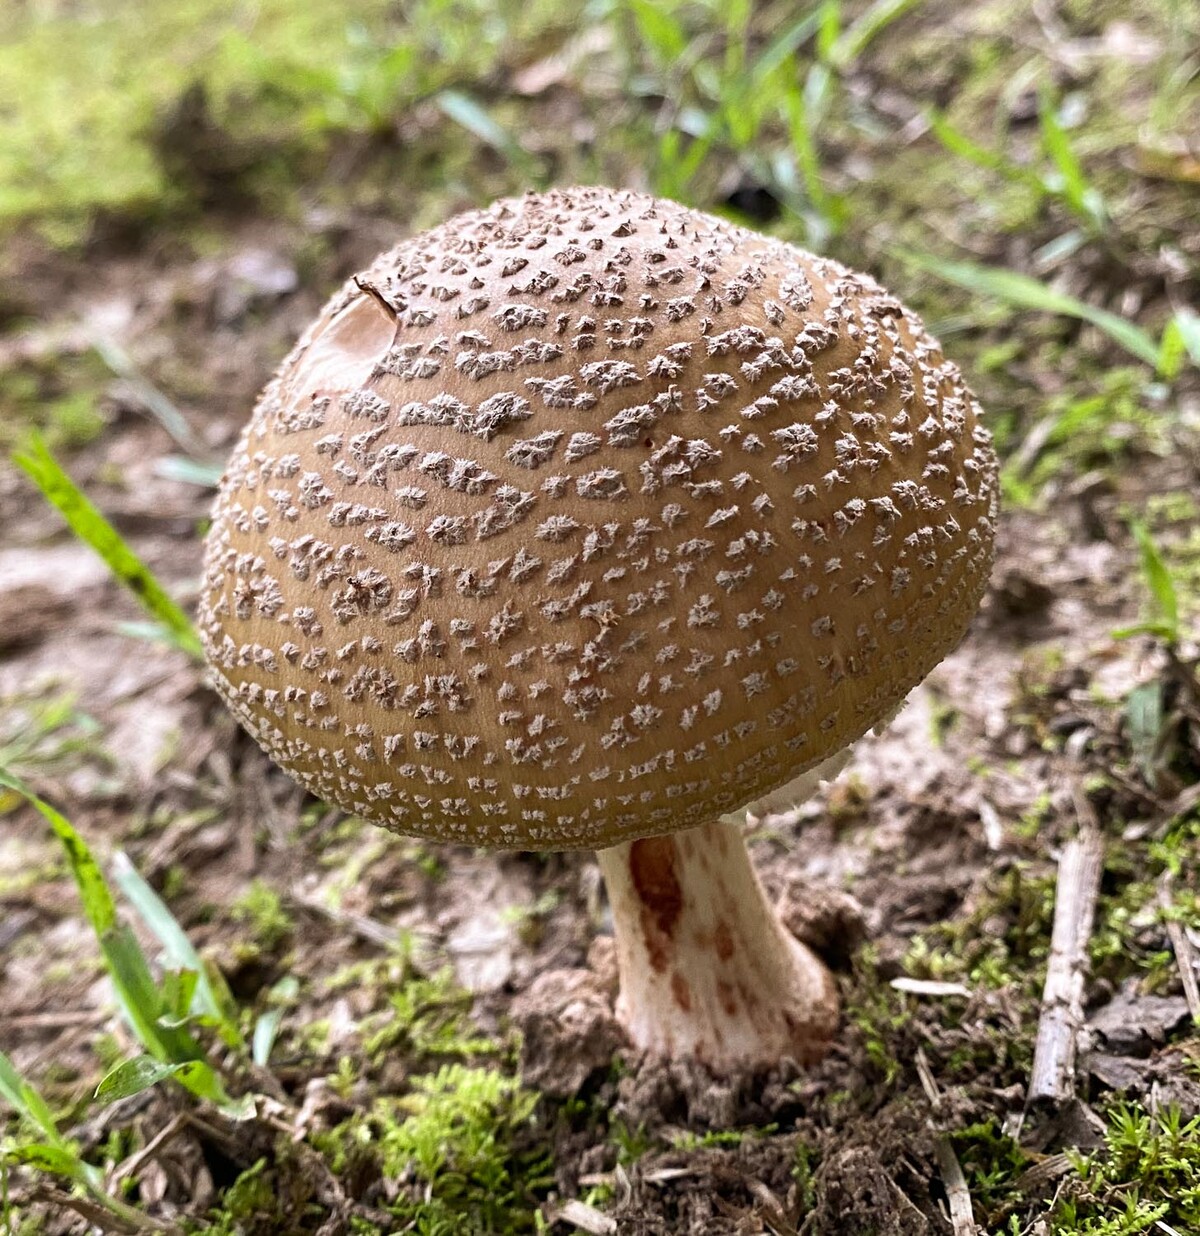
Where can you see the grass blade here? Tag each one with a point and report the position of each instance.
(132, 1077)
(47, 1158)
(1078, 194)
(1144, 720)
(26, 1101)
(473, 117)
(98, 903)
(1158, 579)
(266, 1029)
(1025, 292)
(189, 471)
(659, 31)
(93, 529)
(141, 1000)
(853, 41)
(56, 1153)
(180, 952)
(957, 142)
(783, 47)
(148, 395)
(1187, 321)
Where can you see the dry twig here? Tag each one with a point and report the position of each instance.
(367, 929)
(134, 1164)
(958, 1195)
(53, 1021)
(962, 1215)
(586, 1218)
(1053, 1076)
(1185, 955)
(128, 1223)
(933, 1092)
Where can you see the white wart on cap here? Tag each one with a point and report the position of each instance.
(589, 517)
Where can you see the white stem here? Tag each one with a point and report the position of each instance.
(707, 970)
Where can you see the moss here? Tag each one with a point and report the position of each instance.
(82, 142)
(1130, 934)
(804, 1169)
(879, 1013)
(1003, 942)
(271, 1196)
(61, 395)
(427, 1017)
(260, 908)
(462, 1147)
(234, 102)
(719, 1139)
(631, 1143)
(992, 1162)
(1147, 1171)
(419, 1015)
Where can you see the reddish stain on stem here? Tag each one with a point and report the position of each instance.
(652, 869)
(726, 997)
(652, 866)
(682, 992)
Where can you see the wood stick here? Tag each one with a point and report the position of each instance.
(54, 1021)
(929, 1083)
(1053, 1076)
(1185, 954)
(962, 1215)
(134, 1164)
(368, 929)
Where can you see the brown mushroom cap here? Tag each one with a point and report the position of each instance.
(589, 517)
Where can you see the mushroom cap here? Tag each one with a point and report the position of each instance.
(589, 517)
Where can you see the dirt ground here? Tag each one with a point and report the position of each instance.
(931, 859)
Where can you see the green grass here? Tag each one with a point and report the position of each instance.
(730, 97)
(1024, 292)
(38, 1143)
(160, 1011)
(1166, 529)
(467, 1137)
(1061, 177)
(1161, 589)
(1099, 425)
(90, 526)
(45, 733)
(234, 97)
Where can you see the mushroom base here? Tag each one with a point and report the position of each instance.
(707, 969)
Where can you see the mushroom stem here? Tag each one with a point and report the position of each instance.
(707, 969)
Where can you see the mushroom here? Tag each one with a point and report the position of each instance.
(584, 521)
